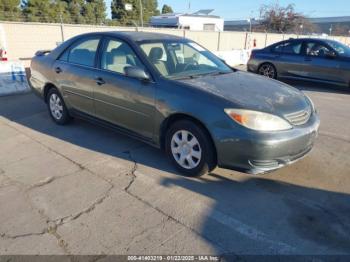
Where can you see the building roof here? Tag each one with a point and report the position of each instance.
(199, 13)
(339, 19)
(242, 22)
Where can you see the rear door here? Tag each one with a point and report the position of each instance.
(321, 62)
(75, 71)
(290, 58)
(120, 99)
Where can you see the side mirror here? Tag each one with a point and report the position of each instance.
(136, 72)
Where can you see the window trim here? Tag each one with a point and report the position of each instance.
(320, 43)
(103, 45)
(301, 42)
(75, 43)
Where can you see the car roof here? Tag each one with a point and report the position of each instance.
(136, 36)
(308, 39)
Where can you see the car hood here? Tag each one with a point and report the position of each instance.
(252, 92)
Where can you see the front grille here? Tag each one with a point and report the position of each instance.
(299, 118)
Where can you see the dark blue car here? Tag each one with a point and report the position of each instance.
(317, 60)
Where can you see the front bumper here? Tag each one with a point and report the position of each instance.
(261, 152)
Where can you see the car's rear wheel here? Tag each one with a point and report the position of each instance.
(268, 70)
(190, 148)
(57, 108)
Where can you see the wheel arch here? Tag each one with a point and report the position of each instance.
(170, 120)
(46, 89)
(268, 63)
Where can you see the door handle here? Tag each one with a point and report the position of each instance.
(58, 70)
(100, 81)
(308, 59)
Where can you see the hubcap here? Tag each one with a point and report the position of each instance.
(268, 71)
(186, 149)
(56, 106)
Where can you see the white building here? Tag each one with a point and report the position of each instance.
(198, 21)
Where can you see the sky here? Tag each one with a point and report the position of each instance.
(243, 9)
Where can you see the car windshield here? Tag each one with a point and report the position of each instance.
(178, 59)
(341, 49)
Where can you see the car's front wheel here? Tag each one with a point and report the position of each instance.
(190, 148)
(57, 108)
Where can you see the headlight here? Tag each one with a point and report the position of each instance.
(258, 120)
(311, 103)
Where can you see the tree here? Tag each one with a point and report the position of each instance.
(75, 10)
(37, 10)
(150, 9)
(59, 12)
(94, 12)
(9, 10)
(125, 17)
(276, 18)
(166, 9)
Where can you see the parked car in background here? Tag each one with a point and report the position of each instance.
(175, 95)
(316, 60)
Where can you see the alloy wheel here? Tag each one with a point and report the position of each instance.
(267, 70)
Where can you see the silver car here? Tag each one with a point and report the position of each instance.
(316, 60)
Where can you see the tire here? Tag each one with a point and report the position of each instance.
(190, 148)
(268, 70)
(57, 108)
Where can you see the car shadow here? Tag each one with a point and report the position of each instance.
(256, 215)
(246, 215)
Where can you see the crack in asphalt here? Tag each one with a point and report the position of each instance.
(334, 136)
(58, 222)
(132, 171)
(7, 236)
(61, 221)
(168, 217)
(162, 222)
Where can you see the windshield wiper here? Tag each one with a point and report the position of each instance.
(212, 73)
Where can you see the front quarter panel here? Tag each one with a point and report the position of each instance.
(173, 98)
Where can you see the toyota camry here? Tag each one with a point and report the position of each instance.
(174, 94)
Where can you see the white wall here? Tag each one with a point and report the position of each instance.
(24, 39)
(196, 23)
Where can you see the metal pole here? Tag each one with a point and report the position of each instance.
(218, 47)
(141, 13)
(246, 38)
(62, 34)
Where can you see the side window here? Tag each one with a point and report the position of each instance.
(118, 55)
(317, 49)
(291, 48)
(64, 56)
(82, 53)
(155, 51)
(278, 48)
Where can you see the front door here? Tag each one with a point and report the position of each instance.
(119, 99)
(321, 63)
